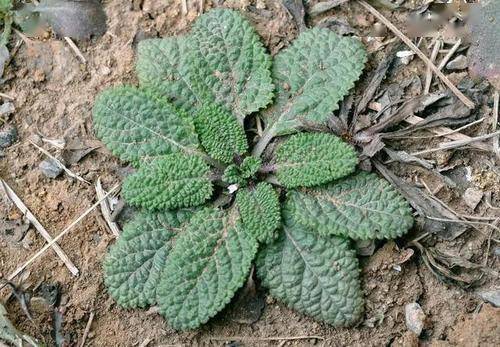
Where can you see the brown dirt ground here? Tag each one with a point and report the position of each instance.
(54, 95)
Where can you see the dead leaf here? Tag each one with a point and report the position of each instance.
(76, 149)
(296, 9)
(4, 57)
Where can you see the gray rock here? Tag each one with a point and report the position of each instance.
(491, 296)
(7, 108)
(472, 197)
(415, 318)
(459, 63)
(50, 168)
(8, 135)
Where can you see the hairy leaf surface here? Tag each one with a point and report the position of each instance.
(221, 61)
(237, 65)
(316, 275)
(133, 265)
(137, 126)
(362, 206)
(310, 159)
(311, 77)
(169, 182)
(220, 133)
(208, 263)
(260, 211)
(170, 67)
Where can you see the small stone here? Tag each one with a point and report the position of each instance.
(261, 5)
(50, 168)
(7, 108)
(8, 135)
(459, 63)
(415, 318)
(472, 197)
(105, 71)
(491, 296)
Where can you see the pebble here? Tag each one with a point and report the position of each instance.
(459, 63)
(415, 318)
(472, 197)
(8, 135)
(491, 296)
(50, 168)
(7, 108)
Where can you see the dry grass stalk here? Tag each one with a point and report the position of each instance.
(496, 146)
(87, 329)
(39, 227)
(418, 52)
(105, 209)
(61, 165)
(75, 49)
(21, 268)
(428, 74)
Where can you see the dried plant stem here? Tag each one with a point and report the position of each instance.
(184, 7)
(105, 209)
(257, 339)
(496, 146)
(64, 232)
(87, 329)
(418, 52)
(75, 49)
(449, 133)
(6, 96)
(448, 55)
(61, 165)
(39, 227)
(458, 143)
(428, 74)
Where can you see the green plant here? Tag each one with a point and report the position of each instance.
(212, 204)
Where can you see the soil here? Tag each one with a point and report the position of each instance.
(53, 96)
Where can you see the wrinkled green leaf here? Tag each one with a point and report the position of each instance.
(316, 275)
(137, 126)
(361, 206)
(208, 264)
(133, 265)
(169, 182)
(260, 211)
(312, 76)
(310, 159)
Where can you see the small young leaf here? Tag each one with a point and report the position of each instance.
(250, 166)
(133, 265)
(220, 133)
(237, 64)
(316, 275)
(76, 19)
(207, 265)
(232, 175)
(136, 125)
(260, 211)
(362, 206)
(312, 76)
(169, 182)
(310, 159)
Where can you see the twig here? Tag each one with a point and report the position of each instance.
(458, 143)
(87, 329)
(449, 54)
(105, 209)
(39, 227)
(201, 5)
(146, 342)
(436, 135)
(448, 133)
(496, 146)
(418, 52)
(6, 96)
(467, 222)
(75, 49)
(428, 73)
(64, 232)
(61, 165)
(257, 339)
(184, 7)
